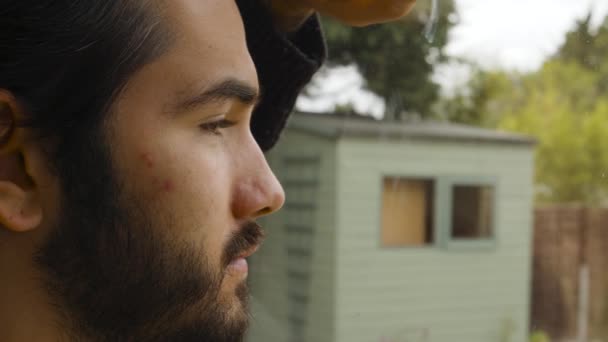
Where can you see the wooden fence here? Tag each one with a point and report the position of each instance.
(566, 237)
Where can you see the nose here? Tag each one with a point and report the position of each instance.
(257, 192)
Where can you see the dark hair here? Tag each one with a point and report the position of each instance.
(65, 61)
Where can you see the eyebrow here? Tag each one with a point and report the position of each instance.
(229, 89)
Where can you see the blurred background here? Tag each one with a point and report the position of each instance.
(447, 180)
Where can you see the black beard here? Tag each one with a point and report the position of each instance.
(114, 277)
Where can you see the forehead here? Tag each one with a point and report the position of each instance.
(208, 41)
(207, 46)
(201, 20)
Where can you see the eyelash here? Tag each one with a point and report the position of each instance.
(215, 126)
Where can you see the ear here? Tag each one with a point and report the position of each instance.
(20, 208)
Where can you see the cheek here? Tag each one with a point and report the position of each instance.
(195, 189)
(188, 195)
(146, 160)
(159, 181)
(168, 186)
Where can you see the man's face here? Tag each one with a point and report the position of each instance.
(148, 242)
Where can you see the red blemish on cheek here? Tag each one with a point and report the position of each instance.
(145, 157)
(168, 186)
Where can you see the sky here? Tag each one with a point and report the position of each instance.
(516, 34)
(506, 34)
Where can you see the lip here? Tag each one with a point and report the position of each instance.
(248, 253)
(239, 264)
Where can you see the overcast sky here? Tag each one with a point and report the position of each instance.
(507, 34)
(516, 34)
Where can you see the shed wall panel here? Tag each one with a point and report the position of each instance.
(431, 293)
(292, 277)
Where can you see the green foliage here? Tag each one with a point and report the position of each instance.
(481, 102)
(563, 105)
(586, 46)
(558, 105)
(395, 59)
(539, 336)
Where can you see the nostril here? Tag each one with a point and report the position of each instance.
(265, 211)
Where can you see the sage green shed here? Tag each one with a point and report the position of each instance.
(396, 232)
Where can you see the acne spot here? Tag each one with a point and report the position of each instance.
(168, 186)
(145, 157)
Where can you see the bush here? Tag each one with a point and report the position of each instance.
(539, 336)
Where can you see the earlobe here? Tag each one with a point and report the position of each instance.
(19, 210)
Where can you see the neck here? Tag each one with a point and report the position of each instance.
(25, 310)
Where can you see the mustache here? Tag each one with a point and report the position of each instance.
(249, 236)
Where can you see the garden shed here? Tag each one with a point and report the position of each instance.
(395, 231)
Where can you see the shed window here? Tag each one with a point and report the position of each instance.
(472, 212)
(407, 212)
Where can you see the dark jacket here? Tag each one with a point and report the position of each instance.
(285, 64)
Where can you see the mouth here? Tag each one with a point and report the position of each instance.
(249, 252)
(244, 243)
(239, 264)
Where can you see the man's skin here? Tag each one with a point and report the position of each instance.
(210, 183)
(186, 167)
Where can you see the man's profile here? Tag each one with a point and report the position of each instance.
(131, 163)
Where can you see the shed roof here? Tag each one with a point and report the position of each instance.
(338, 126)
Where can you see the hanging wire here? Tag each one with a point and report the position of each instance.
(431, 25)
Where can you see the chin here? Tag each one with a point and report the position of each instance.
(236, 302)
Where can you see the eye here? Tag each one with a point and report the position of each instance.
(215, 126)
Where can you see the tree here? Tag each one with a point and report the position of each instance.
(477, 102)
(562, 105)
(396, 59)
(571, 127)
(481, 101)
(588, 47)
